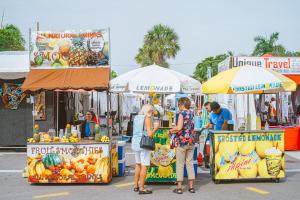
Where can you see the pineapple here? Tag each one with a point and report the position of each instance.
(92, 58)
(77, 56)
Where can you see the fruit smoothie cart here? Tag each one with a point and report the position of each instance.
(237, 155)
(81, 162)
(69, 62)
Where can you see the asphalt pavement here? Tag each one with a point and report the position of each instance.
(13, 186)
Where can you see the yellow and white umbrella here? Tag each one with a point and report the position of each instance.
(248, 80)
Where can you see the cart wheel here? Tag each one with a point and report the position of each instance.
(216, 181)
(277, 180)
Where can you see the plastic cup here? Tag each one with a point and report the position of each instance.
(273, 158)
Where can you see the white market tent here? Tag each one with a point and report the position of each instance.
(154, 78)
(14, 64)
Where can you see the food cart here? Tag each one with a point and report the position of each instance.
(247, 154)
(80, 162)
(63, 65)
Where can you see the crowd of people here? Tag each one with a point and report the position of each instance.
(184, 141)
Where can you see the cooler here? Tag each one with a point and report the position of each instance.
(121, 167)
(121, 150)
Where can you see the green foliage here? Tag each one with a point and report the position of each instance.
(11, 39)
(201, 68)
(268, 45)
(160, 44)
(113, 74)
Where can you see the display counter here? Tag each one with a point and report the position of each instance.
(163, 159)
(83, 162)
(255, 154)
(163, 162)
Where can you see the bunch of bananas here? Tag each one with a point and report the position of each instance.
(56, 139)
(64, 139)
(31, 140)
(36, 168)
(73, 139)
(103, 169)
(105, 139)
(47, 138)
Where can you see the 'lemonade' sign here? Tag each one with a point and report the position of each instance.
(248, 155)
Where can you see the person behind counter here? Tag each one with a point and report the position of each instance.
(185, 144)
(219, 117)
(88, 125)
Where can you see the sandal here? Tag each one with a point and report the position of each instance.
(136, 189)
(178, 191)
(145, 192)
(192, 190)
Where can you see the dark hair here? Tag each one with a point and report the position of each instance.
(206, 103)
(92, 113)
(186, 102)
(214, 105)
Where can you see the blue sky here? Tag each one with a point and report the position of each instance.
(205, 28)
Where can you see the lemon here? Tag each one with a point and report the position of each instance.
(227, 172)
(247, 166)
(228, 150)
(262, 146)
(262, 169)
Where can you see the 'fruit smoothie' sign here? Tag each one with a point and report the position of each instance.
(55, 163)
(69, 49)
(248, 155)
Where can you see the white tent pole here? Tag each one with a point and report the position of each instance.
(248, 113)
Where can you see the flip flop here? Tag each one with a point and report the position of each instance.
(136, 189)
(178, 191)
(192, 190)
(145, 192)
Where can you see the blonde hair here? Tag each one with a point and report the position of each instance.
(145, 109)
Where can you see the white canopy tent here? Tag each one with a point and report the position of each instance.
(154, 78)
(14, 64)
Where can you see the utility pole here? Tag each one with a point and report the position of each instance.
(2, 18)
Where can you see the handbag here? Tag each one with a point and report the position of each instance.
(147, 143)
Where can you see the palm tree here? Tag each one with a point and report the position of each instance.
(268, 45)
(160, 44)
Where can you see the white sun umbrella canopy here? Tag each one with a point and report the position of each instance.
(154, 78)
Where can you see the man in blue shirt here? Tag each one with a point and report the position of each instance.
(219, 117)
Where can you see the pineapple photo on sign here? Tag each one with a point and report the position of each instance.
(69, 49)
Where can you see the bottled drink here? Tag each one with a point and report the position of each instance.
(61, 134)
(266, 126)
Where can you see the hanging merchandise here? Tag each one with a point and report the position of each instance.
(40, 106)
(12, 95)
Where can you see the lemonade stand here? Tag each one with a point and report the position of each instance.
(247, 154)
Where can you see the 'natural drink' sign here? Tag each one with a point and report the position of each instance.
(69, 49)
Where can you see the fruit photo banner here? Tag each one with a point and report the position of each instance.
(65, 163)
(248, 155)
(69, 49)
